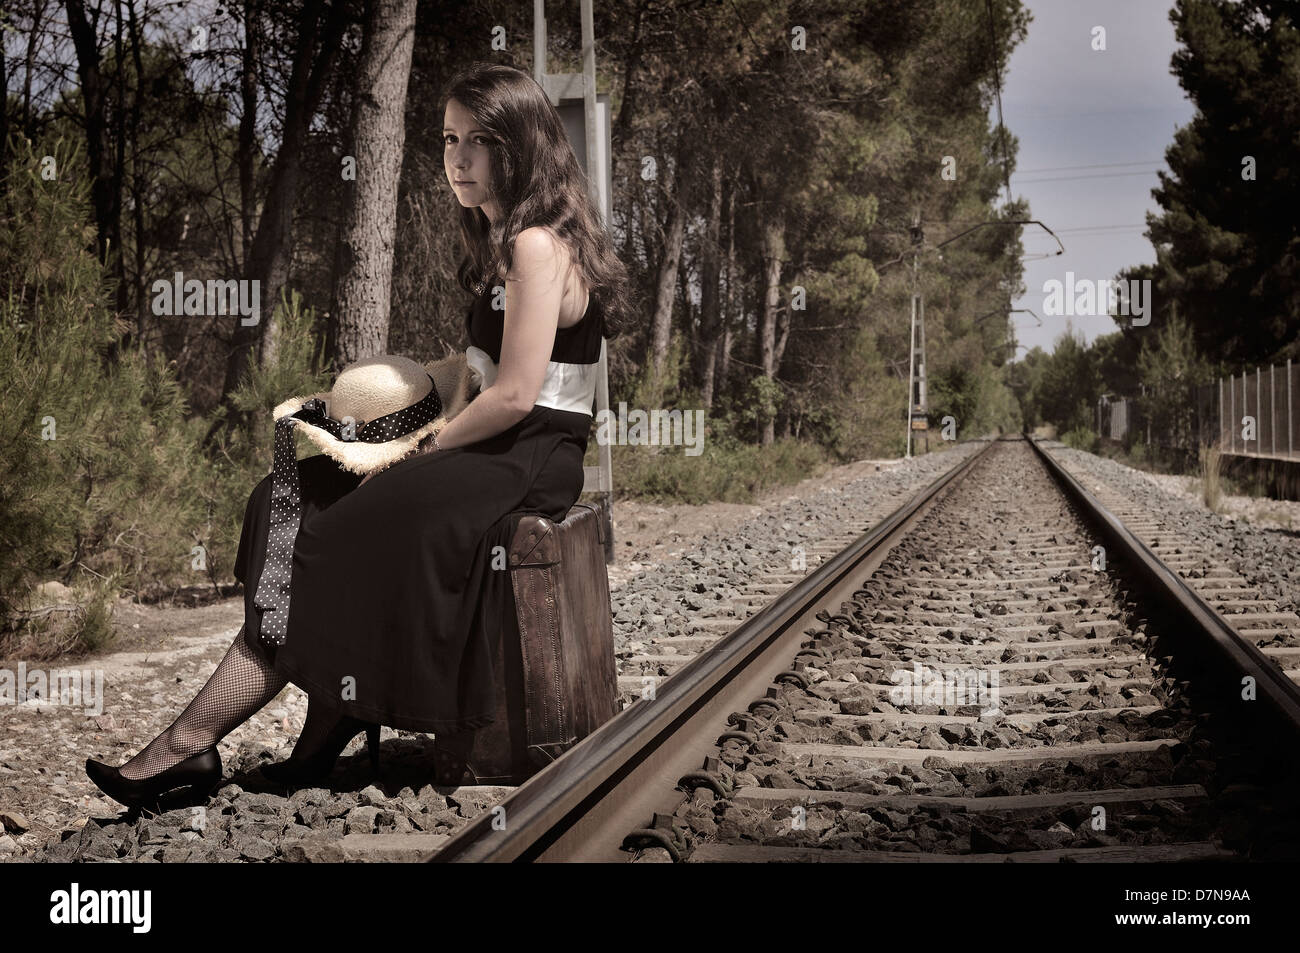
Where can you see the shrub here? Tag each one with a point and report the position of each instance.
(1080, 438)
(104, 486)
(92, 483)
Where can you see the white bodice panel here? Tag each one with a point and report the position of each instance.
(570, 387)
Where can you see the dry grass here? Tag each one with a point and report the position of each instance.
(79, 623)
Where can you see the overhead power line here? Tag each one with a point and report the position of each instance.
(1099, 165)
(1099, 175)
(1095, 228)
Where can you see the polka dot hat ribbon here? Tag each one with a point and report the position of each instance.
(272, 596)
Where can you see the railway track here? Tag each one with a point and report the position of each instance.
(1271, 628)
(648, 660)
(968, 681)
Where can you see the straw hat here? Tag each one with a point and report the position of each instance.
(382, 387)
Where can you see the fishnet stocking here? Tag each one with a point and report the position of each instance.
(242, 683)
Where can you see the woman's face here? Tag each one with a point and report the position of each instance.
(465, 158)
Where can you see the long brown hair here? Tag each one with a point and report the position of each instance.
(536, 181)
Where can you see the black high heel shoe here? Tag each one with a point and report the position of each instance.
(317, 764)
(199, 773)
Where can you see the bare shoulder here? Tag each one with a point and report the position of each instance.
(538, 246)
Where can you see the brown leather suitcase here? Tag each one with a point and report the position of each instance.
(556, 679)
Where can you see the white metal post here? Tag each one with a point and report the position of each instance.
(1289, 449)
(1272, 411)
(911, 371)
(922, 399)
(589, 99)
(539, 42)
(559, 88)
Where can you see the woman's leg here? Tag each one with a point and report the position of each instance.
(244, 681)
(241, 685)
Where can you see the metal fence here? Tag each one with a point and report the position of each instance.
(1249, 414)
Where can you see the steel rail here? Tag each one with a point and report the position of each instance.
(579, 807)
(1236, 656)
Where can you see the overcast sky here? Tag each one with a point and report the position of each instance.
(1071, 106)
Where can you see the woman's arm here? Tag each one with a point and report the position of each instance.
(534, 292)
(485, 416)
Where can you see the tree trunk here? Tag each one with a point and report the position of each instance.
(38, 12)
(773, 250)
(269, 256)
(365, 254)
(783, 318)
(247, 127)
(661, 324)
(4, 113)
(729, 306)
(631, 64)
(272, 258)
(137, 192)
(710, 267)
(86, 45)
(119, 168)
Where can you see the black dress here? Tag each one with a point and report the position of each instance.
(395, 589)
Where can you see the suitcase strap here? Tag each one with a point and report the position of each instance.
(534, 562)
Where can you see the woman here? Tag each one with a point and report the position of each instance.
(393, 590)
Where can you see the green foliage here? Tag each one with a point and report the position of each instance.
(103, 484)
(1066, 390)
(762, 397)
(242, 455)
(847, 206)
(1024, 378)
(63, 621)
(1171, 369)
(646, 390)
(975, 396)
(1116, 355)
(862, 403)
(1226, 240)
(727, 471)
(1081, 438)
(94, 478)
(730, 466)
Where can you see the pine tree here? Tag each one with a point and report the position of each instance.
(1226, 242)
